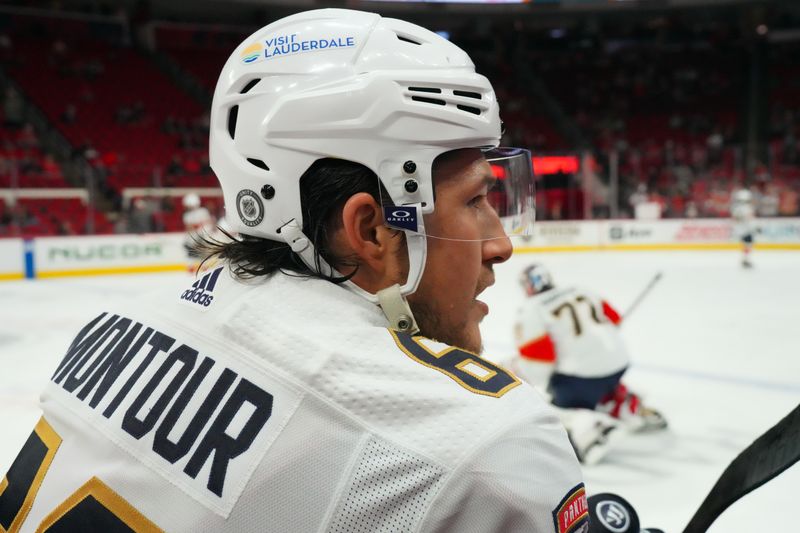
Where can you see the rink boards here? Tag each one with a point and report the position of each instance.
(49, 257)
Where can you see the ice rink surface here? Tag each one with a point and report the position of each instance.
(716, 348)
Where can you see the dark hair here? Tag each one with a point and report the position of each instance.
(324, 189)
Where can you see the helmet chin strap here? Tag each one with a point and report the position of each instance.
(392, 300)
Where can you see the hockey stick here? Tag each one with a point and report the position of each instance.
(769, 455)
(642, 294)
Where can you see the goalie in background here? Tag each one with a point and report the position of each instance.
(569, 347)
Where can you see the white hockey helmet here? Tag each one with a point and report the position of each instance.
(742, 195)
(535, 279)
(337, 83)
(191, 201)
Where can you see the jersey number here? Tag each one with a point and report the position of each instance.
(466, 368)
(571, 307)
(94, 506)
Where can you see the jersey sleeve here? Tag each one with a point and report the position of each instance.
(536, 355)
(531, 334)
(540, 349)
(524, 480)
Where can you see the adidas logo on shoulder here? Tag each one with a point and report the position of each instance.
(202, 289)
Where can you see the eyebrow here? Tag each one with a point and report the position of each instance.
(490, 180)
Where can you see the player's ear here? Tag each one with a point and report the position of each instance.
(363, 236)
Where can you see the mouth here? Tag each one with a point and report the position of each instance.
(488, 282)
(483, 286)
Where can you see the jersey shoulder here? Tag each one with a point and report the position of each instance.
(453, 399)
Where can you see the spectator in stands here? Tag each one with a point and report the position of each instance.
(86, 93)
(86, 150)
(13, 109)
(70, 114)
(789, 204)
(140, 217)
(119, 222)
(191, 166)
(715, 143)
(92, 69)
(24, 218)
(175, 166)
(26, 138)
(7, 55)
(122, 115)
(5, 165)
(58, 53)
(691, 210)
(204, 122)
(169, 126)
(64, 227)
(50, 168)
(639, 196)
(205, 166)
(766, 199)
(29, 164)
(138, 112)
(5, 220)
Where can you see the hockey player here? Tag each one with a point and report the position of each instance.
(743, 214)
(197, 222)
(327, 376)
(569, 346)
(195, 216)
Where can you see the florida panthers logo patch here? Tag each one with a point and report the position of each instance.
(571, 515)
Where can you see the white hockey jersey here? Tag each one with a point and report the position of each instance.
(285, 405)
(743, 213)
(197, 219)
(567, 330)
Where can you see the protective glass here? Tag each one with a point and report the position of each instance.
(511, 198)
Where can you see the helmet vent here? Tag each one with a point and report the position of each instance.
(428, 100)
(250, 84)
(469, 109)
(468, 101)
(232, 115)
(407, 39)
(258, 163)
(467, 94)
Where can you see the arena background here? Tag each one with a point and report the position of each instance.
(643, 117)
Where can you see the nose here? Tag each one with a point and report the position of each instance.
(497, 246)
(497, 250)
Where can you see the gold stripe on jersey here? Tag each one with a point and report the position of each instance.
(110, 500)
(455, 362)
(51, 441)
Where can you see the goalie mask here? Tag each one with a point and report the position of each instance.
(388, 94)
(536, 279)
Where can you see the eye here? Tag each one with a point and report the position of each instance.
(476, 201)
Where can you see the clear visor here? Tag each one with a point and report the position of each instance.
(503, 203)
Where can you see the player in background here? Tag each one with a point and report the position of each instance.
(569, 346)
(200, 225)
(197, 222)
(326, 376)
(743, 213)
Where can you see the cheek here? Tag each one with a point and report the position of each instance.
(463, 269)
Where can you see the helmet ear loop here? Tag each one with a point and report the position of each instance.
(392, 299)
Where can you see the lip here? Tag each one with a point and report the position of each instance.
(483, 306)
